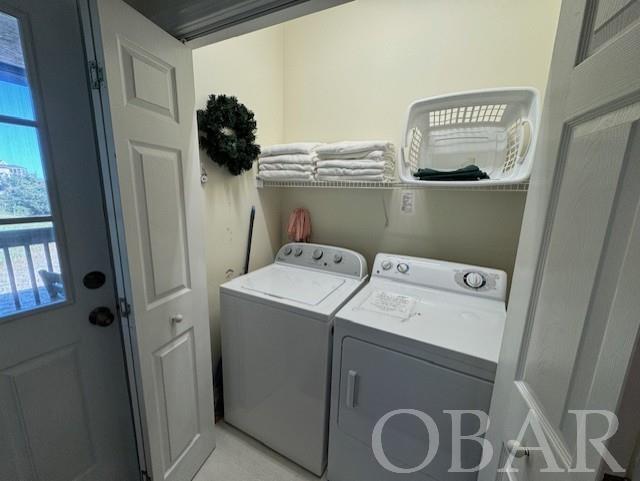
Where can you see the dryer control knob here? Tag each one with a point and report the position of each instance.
(287, 251)
(403, 268)
(317, 254)
(386, 265)
(337, 258)
(297, 252)
(475, 280)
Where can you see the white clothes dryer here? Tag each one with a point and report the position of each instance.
(423, 335)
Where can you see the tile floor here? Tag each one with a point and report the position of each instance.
(238, 457)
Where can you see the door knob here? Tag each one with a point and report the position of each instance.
(101, 316)
(517, 449)
(177, 318)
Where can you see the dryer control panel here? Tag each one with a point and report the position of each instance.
(327, 258)
(436, 274)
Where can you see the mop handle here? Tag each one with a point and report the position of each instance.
(252, 218)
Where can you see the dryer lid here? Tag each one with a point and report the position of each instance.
(291, 283)
(466, 328)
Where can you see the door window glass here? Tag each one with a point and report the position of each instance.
(30, 274)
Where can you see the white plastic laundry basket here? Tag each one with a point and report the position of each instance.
(494, 129)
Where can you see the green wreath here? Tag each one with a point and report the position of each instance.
(227, 133)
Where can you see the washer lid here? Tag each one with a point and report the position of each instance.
(300, 285)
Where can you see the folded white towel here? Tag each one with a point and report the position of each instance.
(336, 178)
(364, 155)
(351, 147)
(298, 148)
(301, 167)
(352, 164)
(288, 159)
(285, 174)
(349, 172)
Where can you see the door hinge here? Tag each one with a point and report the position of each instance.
(96, 75)
(144, 476)
(124, 307)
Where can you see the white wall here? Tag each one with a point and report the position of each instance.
(250, 67)
(479, 228)
(352, 71)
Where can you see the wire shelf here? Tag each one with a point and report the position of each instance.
(349, 184)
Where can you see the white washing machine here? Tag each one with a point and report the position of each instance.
(276, 325)
(422, 335)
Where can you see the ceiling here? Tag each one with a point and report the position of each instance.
(191, 19)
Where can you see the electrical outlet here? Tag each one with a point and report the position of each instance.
(407, 202)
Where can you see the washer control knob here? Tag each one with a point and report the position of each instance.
(403, 268)
(297, 252)
(317, 254)
(337, 258)
(386, 265)
(287, 251)
(475, 280)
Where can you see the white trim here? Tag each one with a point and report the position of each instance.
(221, 27)
(106, 152)
(555, 438)
(9, 119)
(26, 220)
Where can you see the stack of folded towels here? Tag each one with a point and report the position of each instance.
(288, 161)
(372, 161)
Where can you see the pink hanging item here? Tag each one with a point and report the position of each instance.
(299, 228)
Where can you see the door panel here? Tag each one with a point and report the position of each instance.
(160, 205)
(149, 82)
(64, 406)
(611, 18)
(574, 312)
(364, 400)
(179, 409)
(150, 94)
(56, 377)
(591, 174)
(607, 9)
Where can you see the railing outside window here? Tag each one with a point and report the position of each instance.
(30, 277)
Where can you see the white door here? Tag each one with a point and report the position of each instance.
(64, 404)
(151, 98)
(573, 322)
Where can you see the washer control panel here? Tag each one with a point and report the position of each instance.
(327, 258)
(450, 276)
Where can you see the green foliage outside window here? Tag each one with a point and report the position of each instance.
(23, 195)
